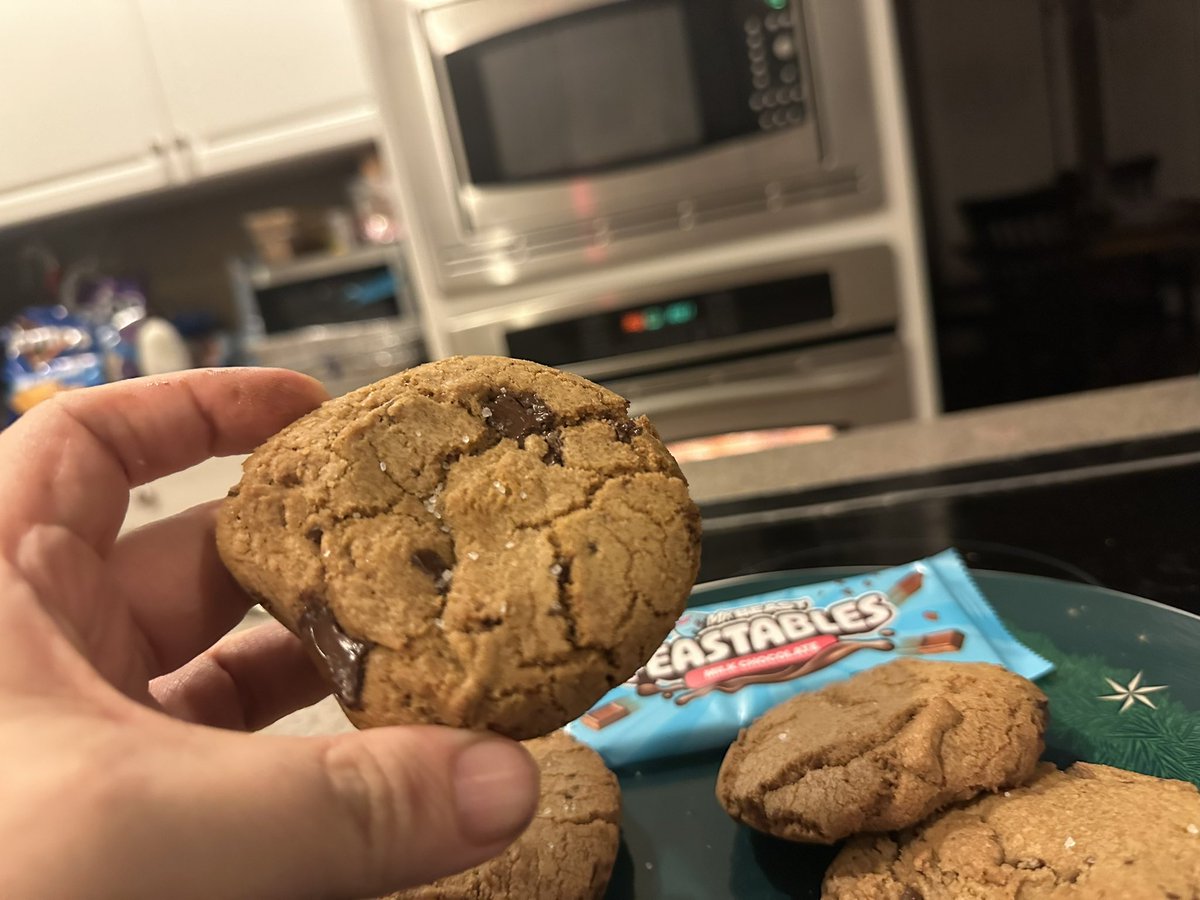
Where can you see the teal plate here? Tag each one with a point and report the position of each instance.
(1125, 691)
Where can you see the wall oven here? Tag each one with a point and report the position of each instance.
(539, 138)
(792, 343)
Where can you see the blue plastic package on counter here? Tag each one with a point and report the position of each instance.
(47, 350)
(725, 664)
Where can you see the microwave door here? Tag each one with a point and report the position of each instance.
(536, 139)
(608, 106)
(613, 87)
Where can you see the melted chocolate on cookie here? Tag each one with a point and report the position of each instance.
(517, 416)
(340, 655)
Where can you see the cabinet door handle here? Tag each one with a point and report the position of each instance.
(185, 151)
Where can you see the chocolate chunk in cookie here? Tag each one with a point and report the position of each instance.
(518, 415)
(568, 850)
(883, 750)
(1091, 831)
(478, 542)
(334, 651)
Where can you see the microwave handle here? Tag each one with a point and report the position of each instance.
(842, 378)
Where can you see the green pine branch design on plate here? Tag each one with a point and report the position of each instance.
(1162, 740)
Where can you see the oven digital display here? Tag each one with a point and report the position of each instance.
(652, 318)
(744, 309)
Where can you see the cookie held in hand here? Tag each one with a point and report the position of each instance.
(568, 850)
(883, 749)
(478, 542)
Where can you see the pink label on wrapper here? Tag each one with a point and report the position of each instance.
(763, 661)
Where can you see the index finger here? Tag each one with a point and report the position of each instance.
(71, 461)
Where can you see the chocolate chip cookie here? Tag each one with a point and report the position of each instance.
(883, 750)
(568, 850)
(1091, 831)
(477, 542)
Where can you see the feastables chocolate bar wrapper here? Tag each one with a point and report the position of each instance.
(725, 664)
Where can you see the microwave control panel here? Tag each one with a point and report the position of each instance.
(775, 57)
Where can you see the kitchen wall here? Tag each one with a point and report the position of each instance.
(991, 99)
(177, 243)
(1151, 56)
(984, 107)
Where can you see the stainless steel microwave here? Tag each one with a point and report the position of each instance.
(538, 138)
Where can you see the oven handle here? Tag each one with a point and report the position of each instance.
(841, 378)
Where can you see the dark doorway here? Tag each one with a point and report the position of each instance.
(1058, 154)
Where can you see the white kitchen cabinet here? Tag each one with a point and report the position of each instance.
(250, 83)
(105, 99)
(82, 120)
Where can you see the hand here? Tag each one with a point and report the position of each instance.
(114, 780)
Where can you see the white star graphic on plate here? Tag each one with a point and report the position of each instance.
(1127, 694)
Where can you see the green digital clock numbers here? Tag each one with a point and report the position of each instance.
(655, 318)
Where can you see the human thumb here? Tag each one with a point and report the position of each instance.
(351, 816)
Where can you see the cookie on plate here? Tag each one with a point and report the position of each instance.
(477, 542)
(568, 850)
(1091, 831)
(883, 749)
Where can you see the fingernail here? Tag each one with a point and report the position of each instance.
(495, 789)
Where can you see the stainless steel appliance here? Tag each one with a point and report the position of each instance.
(542, 137)
(345, 320)
(796, 342)
(683, 199)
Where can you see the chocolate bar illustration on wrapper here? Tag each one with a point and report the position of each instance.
(603, 716)
(949, 641)
(906, 587)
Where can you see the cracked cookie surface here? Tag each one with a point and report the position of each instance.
(567, 852)
(478, 542)
(1090, 831)
(883, 749)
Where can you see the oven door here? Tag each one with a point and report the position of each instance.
(834, 387)
(557, 111)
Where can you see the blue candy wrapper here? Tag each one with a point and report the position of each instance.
(47, 350)
(725, 664)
